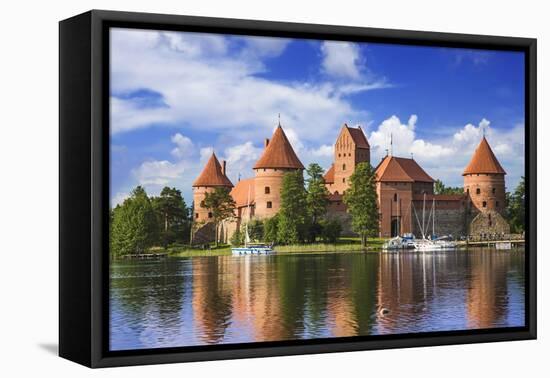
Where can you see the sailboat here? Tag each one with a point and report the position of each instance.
(434, 243)
(251, 248)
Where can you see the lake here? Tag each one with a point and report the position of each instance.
(225, 299)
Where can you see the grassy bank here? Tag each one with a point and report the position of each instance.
(346, 244)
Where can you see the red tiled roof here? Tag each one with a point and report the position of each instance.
(329, 176)
(396, 169)
(483, 161)
(212, 174)
(242, 191)
(358, 137)
(279, 153)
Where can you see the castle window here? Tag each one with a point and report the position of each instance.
(209, 215)
(343, 167)
(478, 191)
(344, 179)
(336, 192)
(484, 204)
(494, 190)
(496, 204)
(468, 190)
(196, 215)
(269, 205)
(490, 221)
(267, 190)
(395, 197)
(339, 155)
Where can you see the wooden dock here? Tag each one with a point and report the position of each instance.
(146, 256)
(514, 243)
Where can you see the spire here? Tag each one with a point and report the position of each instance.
(483, 161)
(279, 153)
(279, 124)
(212, 174)
(391, 144)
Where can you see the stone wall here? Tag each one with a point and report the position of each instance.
(447, 222)
(488, 222)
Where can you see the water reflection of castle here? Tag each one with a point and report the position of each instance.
(402, 186)
(213, 300)
(385, 294)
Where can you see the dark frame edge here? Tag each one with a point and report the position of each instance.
(531, 168)
(91, 327)
(75, 333)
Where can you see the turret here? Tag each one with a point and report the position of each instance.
(484, 180)
(212, 176)
(277, 159)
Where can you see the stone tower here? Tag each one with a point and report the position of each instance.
(485, 189)
(350, 149)
(211, 177)
(277, 159)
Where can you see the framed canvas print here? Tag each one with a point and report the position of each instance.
(234, 188)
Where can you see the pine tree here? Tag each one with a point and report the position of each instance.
(173, 216)
(361, 200)
(293, 217)
(317, 199)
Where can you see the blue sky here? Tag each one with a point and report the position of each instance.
(176, 97)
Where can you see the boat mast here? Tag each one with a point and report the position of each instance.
(433, 217)
(247, 237)
(423, 211)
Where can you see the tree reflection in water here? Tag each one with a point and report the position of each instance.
(226, 299)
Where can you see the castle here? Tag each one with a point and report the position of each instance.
(406, 198)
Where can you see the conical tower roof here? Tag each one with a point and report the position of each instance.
(212, 174)
(483, 161)
(279, 153)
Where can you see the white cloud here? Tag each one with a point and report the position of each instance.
(205, 153)
(444, 158)
(324, 150)
(184, 146)
(216, 87)
(341, 59)
(158, 172)
(240, 159)
(119, 198)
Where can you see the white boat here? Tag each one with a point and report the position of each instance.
(399, 242)
(427, 245)
(503, 245)
(251, 248)
(434, 243)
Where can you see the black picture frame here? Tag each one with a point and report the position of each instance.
(84, 187)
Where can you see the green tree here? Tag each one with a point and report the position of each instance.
(237, 238)
(256, 229)
(134, 225)
(173, 216)
(330, 230)
(293, 216)
(362, 202)
(271, 226)
(515, 208)
(440, 188)
(317, 199)
(221, 204)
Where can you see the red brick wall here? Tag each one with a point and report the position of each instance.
(491, 191)
(394, 200)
